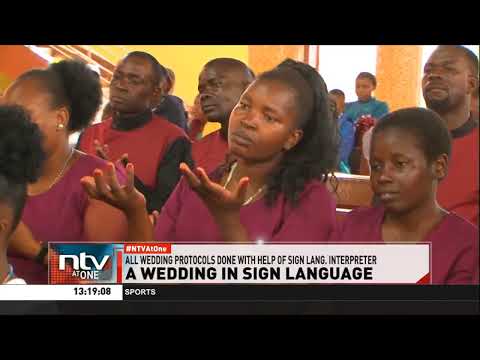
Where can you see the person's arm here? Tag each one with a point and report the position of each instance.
(347, 133)
(224, 205)
(104, 186)
(168, 174)
(104, 223)
(380, 110)
(23, 243)
(465, 268)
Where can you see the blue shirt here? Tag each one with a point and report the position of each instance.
(373, 107)
(347, 137)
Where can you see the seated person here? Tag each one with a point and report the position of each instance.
(61, 99)
(346, 129)
(152, 143)
(285, 145)
(366, 104)
(21, 157)
(409, 156)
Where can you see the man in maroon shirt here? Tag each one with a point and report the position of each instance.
(449, 80)
(154, 145)
(220, 84)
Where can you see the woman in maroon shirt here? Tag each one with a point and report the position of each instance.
(61, 99)
(409, 156)
(284, 142)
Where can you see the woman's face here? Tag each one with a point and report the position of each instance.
(264, 122)
(32, 97)
(401, 175)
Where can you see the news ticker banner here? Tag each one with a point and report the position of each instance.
(61, 292)
(165, 263)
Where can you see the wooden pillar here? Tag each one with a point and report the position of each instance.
(265, 57)
(398, 75)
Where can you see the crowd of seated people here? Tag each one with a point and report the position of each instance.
(283, 160)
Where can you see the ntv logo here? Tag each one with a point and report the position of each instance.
(80, 267)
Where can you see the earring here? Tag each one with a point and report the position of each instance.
(60, 126)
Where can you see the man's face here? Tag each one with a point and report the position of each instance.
(133, 89)
(364, 88)
(220, 89)
(447, 80)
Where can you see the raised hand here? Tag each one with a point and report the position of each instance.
(219, 201)
(105, 187)
(102, 151)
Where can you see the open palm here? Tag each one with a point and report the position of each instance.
(104, 186)
(217, 199)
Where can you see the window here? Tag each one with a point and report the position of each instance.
(339, 65)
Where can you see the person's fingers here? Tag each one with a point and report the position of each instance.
(241, 191)
(207, 184)
(100, 183)
(111, 178)
(124, 160)
(130, 186)
(192, 179)
(88, 184)
(101, 150)
(203, 177)
(154, 217)
(101, 153)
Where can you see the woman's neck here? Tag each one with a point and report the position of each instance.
(55, 166)
(257, 172)
(423, 217)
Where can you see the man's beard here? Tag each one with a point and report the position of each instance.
(440, 106)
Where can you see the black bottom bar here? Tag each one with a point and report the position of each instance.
(268, 300)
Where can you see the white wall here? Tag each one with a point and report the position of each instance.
(340, 65)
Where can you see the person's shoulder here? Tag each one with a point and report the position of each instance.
(364, 215)
(176, 99)
(381, 103)
(95, 128)
(213, 136)
(89, 160)
(86, 164)
(350, 104)
(164, 126)
(172, 101)
(462, 228)
(316, 189)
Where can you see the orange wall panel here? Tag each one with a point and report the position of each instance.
(398, 73)
(15, 60)
(265, 57)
